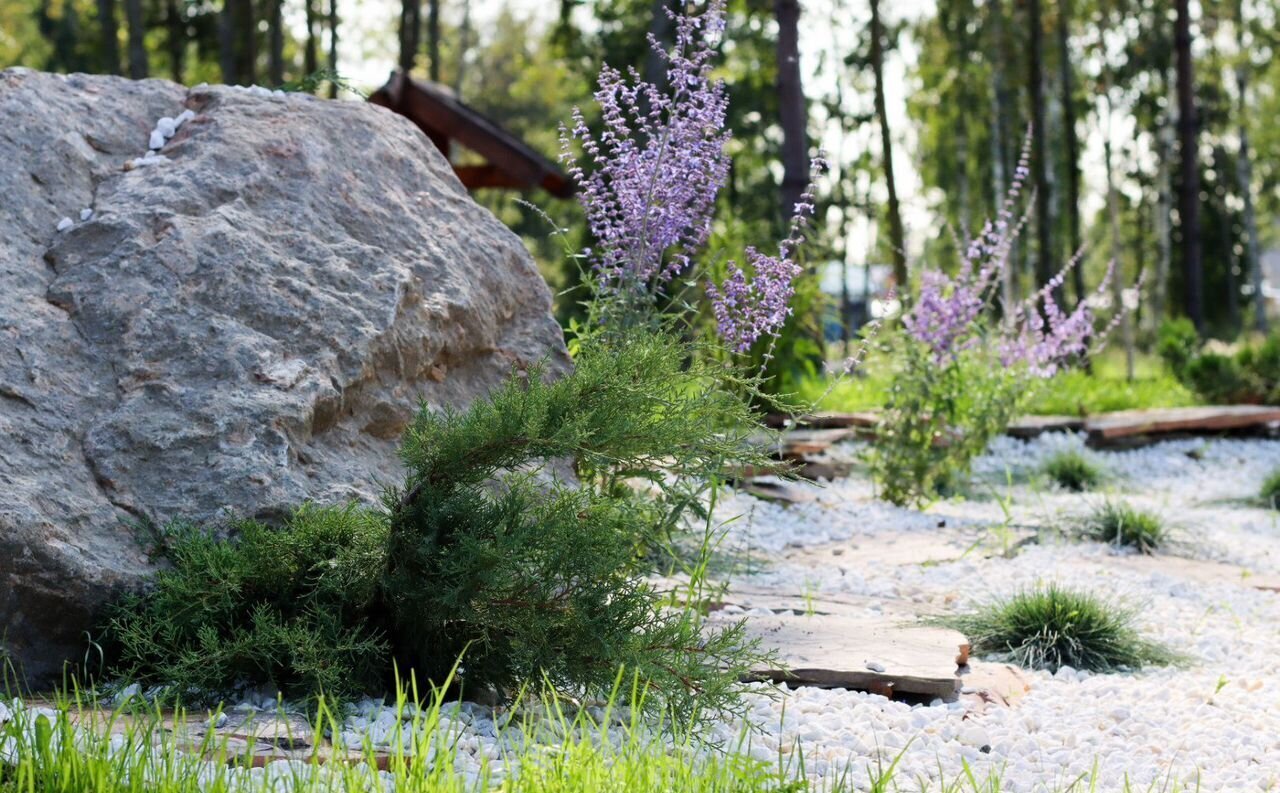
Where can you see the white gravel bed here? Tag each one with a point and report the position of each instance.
(1213, 725)
(1149, 727)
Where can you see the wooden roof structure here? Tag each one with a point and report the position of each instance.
(509, 161)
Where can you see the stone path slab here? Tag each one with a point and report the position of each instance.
(238, 738)
(1127, 426)
(882, 656)
(1027, 427)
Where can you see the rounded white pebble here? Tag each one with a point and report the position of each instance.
(86, 214)
(975, 736)
(65, 224)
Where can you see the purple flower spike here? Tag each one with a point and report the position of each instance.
(658, 164)
(747, 311)
(1038, 335)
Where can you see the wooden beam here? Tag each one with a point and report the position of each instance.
(477, 176)
(443, 118)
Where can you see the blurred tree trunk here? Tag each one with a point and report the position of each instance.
(1072, 143)
(1117, 251)
(433, 38)
(1000, 112)
(1244, 176)
(1046, 266)
(845, 330)
(791, 107)
(1226, 254)
(1164, 208)
(897, 238)
(110, 36)
(410, 33)
(333, 48)
(1189, 169)
(275, 31)
(961, 36)
(238, 42)
(136, 22)
(176, 33)
(464, 47)
(311, 51)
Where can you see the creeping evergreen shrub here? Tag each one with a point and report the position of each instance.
(485, 553)
(288, 604)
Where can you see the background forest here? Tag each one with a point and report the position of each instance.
(1152, 142)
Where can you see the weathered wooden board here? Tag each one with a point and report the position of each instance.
(818, 470)
(879, 655)
(799, 443)
(1027, 427)
(824, 420)
(1109, 428)
(778, 490)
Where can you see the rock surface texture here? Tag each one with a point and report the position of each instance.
(245, 323)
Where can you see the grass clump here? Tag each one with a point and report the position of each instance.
(547, 749)
(556, 749)
(1124, 525)
(1052, 627)
(1270, 492)
(488, 551)
(1071, 470)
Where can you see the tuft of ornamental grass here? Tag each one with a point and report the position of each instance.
(1124, 525)
(1270, 492)
(1071, 470)
(1052, 626)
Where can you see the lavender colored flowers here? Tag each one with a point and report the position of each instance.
(747, 310)
(1037, 334)
(648, 185)
(658, 164)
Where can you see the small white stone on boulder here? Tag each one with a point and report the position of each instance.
(65, 224)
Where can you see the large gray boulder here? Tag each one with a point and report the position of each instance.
(238, 328)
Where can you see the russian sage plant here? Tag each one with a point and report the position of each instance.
(967, 361)
(648, 184)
